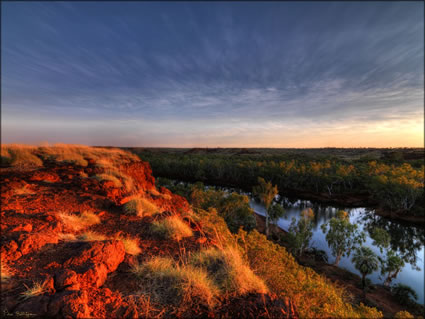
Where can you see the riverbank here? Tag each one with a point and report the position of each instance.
(351, 200)
(377, 296)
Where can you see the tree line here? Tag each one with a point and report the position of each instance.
(395, 187)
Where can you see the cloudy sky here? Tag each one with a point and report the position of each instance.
(276, 74)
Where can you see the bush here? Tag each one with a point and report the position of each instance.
(171, 228)
(403, 315)
(404, 294)
(228, 270)
(314, 295)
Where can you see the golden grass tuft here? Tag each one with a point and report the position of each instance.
(67, 237)
(36, 290)
(168, 283)
(171, 227)
(79, 222)
(229, 271)
(91, 236)
(140, 207)
(131, 245)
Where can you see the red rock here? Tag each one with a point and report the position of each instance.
(45, 176)
(95, 260)
(23, 227)
(69, 304)
(67, 279)
(34, 241)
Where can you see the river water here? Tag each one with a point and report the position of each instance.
(407, 240)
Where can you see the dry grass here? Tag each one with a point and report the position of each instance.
(229, 271)
(67, 237)
(5, 272)
(131, 245)
(25, 155)
(140, 207)
(168, 283)
(20, 156)
(107, 177)
(91, 236)
(171, 228)
(36, 290)
(78, 222)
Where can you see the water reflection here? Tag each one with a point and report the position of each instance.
(406, 240)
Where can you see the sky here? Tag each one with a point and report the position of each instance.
(224, 74)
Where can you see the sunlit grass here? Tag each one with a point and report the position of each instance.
(141, 207)
(36, 290)
(169, 283)
(78, 222)
(171, 228)
(230, 272)
(91, 236)
(131, 245)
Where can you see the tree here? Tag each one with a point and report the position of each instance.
(300, 233)
(392, 263)
(276, 211)
(266, 192)
(342, 236)
(391, 266)
(365, 261)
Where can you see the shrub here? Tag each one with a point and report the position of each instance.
(169, 283)
(228, 270)
(140, 207)
(171, 228)
(78, 222)
(404, 294)
(314, 295)
(403, 315)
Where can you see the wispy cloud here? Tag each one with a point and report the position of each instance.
(212, 72)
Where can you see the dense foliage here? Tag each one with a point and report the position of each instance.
(397, 186)
(314, 295)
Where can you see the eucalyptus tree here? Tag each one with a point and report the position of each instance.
(266, 192)
(300, 232)
(342, 236)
